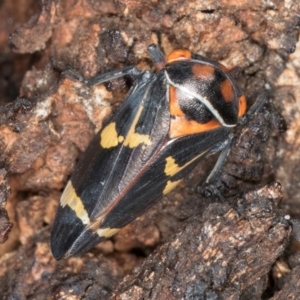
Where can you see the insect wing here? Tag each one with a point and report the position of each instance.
(116, 155)
(174, 161)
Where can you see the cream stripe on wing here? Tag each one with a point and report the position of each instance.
(107, 232)
(70, 198)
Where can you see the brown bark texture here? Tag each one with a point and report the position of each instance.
(192, 244)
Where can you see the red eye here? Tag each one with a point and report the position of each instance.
(242, 105)
(179, 54)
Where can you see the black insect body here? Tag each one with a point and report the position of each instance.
(168, 122)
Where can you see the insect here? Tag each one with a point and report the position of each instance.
(168, 122)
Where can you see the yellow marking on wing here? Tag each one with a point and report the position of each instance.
(133, 139)
(107, 232)
(70, 198)
(170, 186)
(109, 136)
(172, 168)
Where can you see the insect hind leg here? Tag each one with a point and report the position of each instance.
(131, 71)
(224, 149)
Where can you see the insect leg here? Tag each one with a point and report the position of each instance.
(157, 56)
(224, 147)
(258, 104)
(127, 71)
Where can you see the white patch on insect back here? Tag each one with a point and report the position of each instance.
(189, 90)
(170, 186)
(107, 232)
(70, 198)
(109, 136)
(44, 108)
(134, 139)
(97, 105)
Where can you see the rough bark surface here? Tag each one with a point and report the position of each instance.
(5, 225)
(290, 288)
(215, 258)
(191, 245)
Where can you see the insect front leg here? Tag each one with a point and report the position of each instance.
(258, 104)
(131, 71)
(157, 56)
